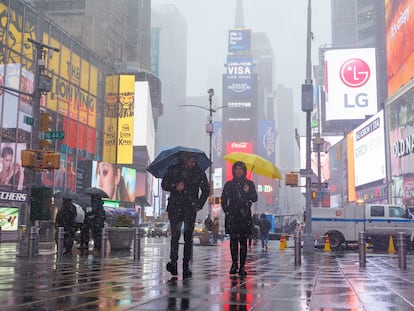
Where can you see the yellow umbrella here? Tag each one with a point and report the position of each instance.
(255, 164)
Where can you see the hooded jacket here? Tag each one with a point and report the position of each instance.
(236, 202)
(189, 198)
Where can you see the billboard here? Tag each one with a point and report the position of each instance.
(239, 40)
(9, 218)
(399, 31)
(11, 171)
(117, 181)
(350, 84)
(246, 147)
(369, 150)
(126, 119)
(239, 68)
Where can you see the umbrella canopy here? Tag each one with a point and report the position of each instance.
(255, 164)
(96, 191)
(69, 195)
(169, 157)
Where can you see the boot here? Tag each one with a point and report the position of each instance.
(233, 269)
(242, 272)
(172, 268)
(186, 270)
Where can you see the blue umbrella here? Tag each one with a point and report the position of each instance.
(169, 157)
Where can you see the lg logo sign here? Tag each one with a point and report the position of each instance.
(355, 72)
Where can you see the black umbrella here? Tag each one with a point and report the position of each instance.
(96, 191)
(168, 157)
(69, 195)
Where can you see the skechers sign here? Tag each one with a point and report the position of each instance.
(351, 89)
(13, 196)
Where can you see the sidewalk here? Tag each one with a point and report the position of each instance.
(324, 281)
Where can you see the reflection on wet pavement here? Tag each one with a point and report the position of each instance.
(324, 281)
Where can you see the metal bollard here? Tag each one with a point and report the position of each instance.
(32, 242)
(60, 241)
(298, 247)
(362, 241)
(104, 241)
(402, 258)
(137, 244)
(0, 233)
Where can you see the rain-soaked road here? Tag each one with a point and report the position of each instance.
(324, 281)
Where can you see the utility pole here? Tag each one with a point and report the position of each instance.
(307, 106)
(210, 130)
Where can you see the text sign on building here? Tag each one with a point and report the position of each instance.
(239, 40)
(239, 68)
(351, 84)
(369, 150)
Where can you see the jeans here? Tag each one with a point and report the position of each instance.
(176, 222)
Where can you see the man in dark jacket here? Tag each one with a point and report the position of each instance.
(65, 218)
(184, 181)
(236, 200)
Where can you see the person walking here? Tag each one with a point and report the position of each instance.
(265, 226)
(96, 220)
(65, 218)
(184, 181)
(236, 200)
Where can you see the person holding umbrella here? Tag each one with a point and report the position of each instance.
(95, 216)
(65, 218)
(184, 181)
(236, 200)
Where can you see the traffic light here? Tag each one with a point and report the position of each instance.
(29, 158)
(217, 200)
(314, 195)
(211, 199)
(45, 126)
(50, 161)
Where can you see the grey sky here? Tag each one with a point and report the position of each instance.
(284, 22)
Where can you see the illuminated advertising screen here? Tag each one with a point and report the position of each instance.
(239, 40)
(217, 144)
(239, 68)
(369, 150)
(9, 218)
(11, 170)
(350, 84)
(399, 31)
(118, 182)
(266, 139)
(246, 147)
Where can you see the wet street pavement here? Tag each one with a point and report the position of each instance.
(324, 281)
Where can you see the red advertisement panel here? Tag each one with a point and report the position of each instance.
(237, 147)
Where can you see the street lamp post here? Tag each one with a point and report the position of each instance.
(307, 106)
(209, 131)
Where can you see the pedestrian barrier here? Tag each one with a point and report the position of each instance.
(104, 242)
(137, 244)
(402, 258)
(327, 246)
(391, 248)
(298, 246)
(60, 241)
(32, 242)
(362, 241)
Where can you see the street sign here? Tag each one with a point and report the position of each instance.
(321, 185)
(28, 120)
(54, 135)
(305, 173)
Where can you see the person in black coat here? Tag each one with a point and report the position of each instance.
(65, 218)
(236, 200)
(184, 182)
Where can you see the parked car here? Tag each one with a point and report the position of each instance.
(161, 229)
(145, 229)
